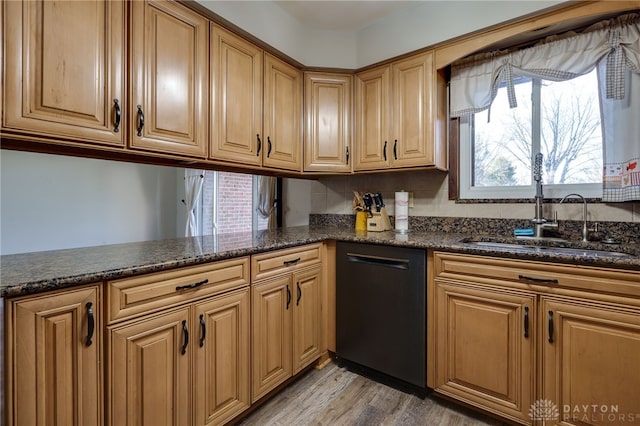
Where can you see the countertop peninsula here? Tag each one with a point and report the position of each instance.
(29, 273)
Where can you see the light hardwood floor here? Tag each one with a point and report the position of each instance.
(336, 396)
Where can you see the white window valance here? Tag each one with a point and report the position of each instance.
(475, 80)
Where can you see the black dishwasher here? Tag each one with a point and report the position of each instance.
(381, 309)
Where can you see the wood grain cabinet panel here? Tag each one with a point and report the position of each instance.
(222, 367)
(64, 70)
(169, 107)
(306, 318)
(485, 348)
(149, 372)
(328, 116)
(590, 355)
(54, 371)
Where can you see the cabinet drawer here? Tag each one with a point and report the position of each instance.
(266, 265)
(151, 292)
(543, 276)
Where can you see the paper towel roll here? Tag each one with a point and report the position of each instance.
(402, 212)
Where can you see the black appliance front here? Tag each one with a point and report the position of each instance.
(381, 309)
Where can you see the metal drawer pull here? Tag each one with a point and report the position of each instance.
(259, 145)
(538, 280)
(140, 120)
(185, 334)
(526, 322)
(91, 324)
(395, 149)
(203, 330)
(268, 146)
(550, 326)
(384, 151)
(291, 262)
(347, 155)
(116, 125)
(288, 297)
(194, 285)
(299, 294)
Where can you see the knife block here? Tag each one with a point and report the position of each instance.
(379, 221)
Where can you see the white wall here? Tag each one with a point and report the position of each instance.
(54, 202)
(421, 24)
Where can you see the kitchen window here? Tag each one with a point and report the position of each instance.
(559, 119)
(573, 97)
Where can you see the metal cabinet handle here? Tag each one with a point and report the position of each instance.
(268, 146)
(550, 326)
(140, 120)
(203, 330)
(299, 294)
(91, 324)
(347, 155)
(526, 322)
(538, 280)
(185, 336)
(288, 297)
(259, 145)
(194, 285)
(116, 124)
(384, 151)
(395, 149)
(292, 261)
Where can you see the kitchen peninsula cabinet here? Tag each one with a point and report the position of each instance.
(328, 121)
(178, 346)
(169, 63)
(54, 358)
(286, 322)
(64, 71)
(400, 114)
(510, 333)
(254, 121)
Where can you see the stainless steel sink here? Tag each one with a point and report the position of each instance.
(542, 246)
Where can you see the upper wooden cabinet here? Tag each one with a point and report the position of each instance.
(64, 70)
(169, 79)
(328, 111)
(400, 113)
(256, 109)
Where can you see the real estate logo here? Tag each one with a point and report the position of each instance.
(544, 410)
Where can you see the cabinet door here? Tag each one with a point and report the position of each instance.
(590, 361)
(236, 81)
(373, 116)
(169, 78)
(306, 318)
(64, 69)
(54, 369)
(484, 348)
(149, 381)
(413, 143)
(282, 115)
(222, 367)
(327, 140)
(272, 304)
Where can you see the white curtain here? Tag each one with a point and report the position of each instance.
(613, 46)
(621, 179)
(193, 180)
(475, 80)
(266, 199)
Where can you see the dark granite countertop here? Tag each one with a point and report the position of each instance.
(41, 271)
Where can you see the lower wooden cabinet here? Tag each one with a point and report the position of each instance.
(485, 347)
(286, 327)
(186, 366)
(54, 361)
(537, 342)
(590, 362)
